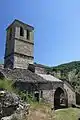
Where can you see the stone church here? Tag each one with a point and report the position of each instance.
(19, 66)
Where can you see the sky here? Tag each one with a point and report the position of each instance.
(56, 23)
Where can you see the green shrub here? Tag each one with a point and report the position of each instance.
(6, 84)
(25, 96)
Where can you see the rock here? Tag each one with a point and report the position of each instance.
(10, 99)
(20, 113)
(23, 108)
(8, 103)
(12, 107)
(7, 118)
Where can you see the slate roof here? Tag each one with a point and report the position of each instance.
(23, 75)
(50, 78)
(21, 23)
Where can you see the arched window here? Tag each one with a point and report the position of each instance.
(28, 34)
(21, 31)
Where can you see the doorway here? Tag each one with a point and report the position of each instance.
(60, 99)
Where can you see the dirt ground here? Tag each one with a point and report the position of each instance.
(44, 112)
(41, 112)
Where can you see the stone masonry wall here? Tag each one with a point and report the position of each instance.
(23, 48)
(19, 44)
(48, 96)
(40, 70)
(49, 91)
(22, 62)
(9, 48)
(71, 95)
(9, 61)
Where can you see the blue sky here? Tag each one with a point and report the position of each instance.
(57, 27)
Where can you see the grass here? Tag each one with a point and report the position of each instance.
(42, 111)
(68, 114)
(6, 84)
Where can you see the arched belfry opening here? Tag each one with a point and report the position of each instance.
(2, 76)
(60, 98)
(21, 31)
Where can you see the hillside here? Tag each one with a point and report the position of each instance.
(69, 71)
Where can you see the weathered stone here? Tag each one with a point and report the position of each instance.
(8, 103)
(19, 45)
(11, 105)
(7, 118)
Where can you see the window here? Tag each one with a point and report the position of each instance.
(21, 31)
(28, 34)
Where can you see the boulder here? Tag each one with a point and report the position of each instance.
(7, 118)
(11, 106)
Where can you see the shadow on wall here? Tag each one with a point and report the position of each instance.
(77, 98)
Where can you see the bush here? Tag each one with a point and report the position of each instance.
(9, 86)
(6, 84)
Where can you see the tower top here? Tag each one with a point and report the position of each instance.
(19, 45)
(19, 22)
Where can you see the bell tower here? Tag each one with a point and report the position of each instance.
(19, 45)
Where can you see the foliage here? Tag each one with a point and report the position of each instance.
(69, 71)
(66, 67)
(6, 84)
(69, 66)
(25, 96)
